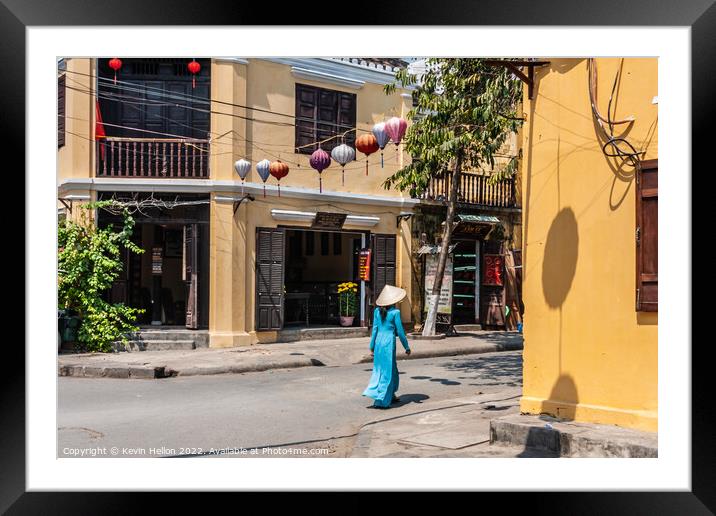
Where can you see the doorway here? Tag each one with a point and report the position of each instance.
(316, 263)
(170, 279)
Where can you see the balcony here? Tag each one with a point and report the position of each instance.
(474, 190)
(152, 158)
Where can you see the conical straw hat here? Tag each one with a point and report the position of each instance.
(390, 295)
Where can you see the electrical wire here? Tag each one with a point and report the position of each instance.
(612, 142)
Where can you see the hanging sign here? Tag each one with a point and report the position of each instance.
(493, 265)
(156, 260)
(326, 220)
(445, 299)
(364, 265)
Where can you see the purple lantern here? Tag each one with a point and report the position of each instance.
(381, 137)
(320, 160)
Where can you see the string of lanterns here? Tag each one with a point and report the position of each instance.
(320, 160)
(381, 134)
(193, 66)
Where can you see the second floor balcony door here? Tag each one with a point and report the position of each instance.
(156, 97)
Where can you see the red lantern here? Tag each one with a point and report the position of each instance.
(278, 169)
(115, 64)
(194, 68)
(367, 144)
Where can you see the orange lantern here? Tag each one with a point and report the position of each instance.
(367, 144)
(278, 169)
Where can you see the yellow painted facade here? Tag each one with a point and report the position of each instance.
(588, 355)
(264, 85)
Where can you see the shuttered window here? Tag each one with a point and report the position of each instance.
(61, 90)
(269, 278)
(322, 113)
(384, 263)
(647, 203)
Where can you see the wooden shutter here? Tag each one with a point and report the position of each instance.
(61, 90)
(269, 278)
(322, 113)
(306, 104)
(384, 263)
(191, 275)
(647, 211)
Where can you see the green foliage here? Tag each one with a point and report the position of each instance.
(88, 262)
(463, 106)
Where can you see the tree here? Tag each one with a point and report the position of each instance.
(88, 262)
(464, 111)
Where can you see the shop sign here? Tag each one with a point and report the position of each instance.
(364, 265)
(156, 260)
(445, 299)
(492, 274)
(327, 220)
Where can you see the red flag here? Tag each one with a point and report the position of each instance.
(99, 129)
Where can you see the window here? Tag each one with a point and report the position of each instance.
(61, 111)
(324, 244)
(337, 243)
(322, 113)
(647, 199)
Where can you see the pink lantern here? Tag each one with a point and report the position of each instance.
(395, 127)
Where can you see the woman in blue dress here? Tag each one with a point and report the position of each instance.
(384, 381)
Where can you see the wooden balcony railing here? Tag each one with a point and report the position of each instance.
(153, 158)
(474, 189)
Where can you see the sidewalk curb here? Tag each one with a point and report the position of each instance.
(157, 372)
(471, 350)
(249, 368)
(571, 442)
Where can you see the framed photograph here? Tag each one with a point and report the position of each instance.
(167, 98)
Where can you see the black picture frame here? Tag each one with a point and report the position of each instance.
(699, 15)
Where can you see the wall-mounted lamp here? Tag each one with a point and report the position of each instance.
(402, 216)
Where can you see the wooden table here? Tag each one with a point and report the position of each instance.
(305, 296)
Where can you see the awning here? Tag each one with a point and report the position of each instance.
(485, 219)
(434, 249)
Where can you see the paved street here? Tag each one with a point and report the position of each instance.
(312, 408)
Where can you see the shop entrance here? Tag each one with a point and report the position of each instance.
(170, 279)
(316, 263)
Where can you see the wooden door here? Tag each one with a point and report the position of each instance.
(270, 250)
(383, 253)
(191, 274)
(647, 247)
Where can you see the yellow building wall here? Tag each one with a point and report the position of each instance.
(234, 135)
(588, 355)
(271, 86)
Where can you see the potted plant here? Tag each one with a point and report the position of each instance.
(347, 302)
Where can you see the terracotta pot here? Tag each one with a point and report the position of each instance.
(347, 321)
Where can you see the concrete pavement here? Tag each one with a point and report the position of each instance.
(262, 357)
(314, 408)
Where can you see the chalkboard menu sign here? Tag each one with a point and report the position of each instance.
(156, 260)
(326, 220)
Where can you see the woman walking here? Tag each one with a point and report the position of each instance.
(386, 324)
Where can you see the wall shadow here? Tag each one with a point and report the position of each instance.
(544, 441)
(560, 258)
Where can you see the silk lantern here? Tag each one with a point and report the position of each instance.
(243, 167)
(381, 137)
(278, 169)
(263, 168)
(194, 68)
(395, 127)
(343, 154)
(320, 160)
(115, 64)
(367, 144)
